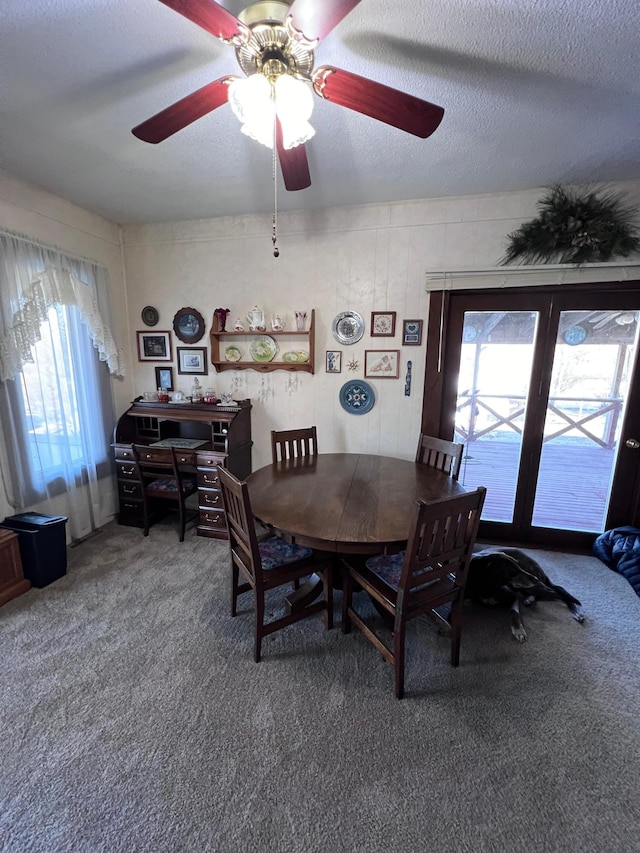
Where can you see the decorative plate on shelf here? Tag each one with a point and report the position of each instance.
(232, 353)
(149, 315)
(296, 357)
(263, 348)
(357, 397)
(348, 327)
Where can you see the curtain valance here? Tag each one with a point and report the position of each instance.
(33, 278)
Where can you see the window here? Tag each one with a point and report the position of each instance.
(56, 409)
(61, 399)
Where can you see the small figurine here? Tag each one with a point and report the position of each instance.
(276, 324)
(221, 315)
(238, 325)
(196, 391)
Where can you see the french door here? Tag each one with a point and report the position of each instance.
(542, 386)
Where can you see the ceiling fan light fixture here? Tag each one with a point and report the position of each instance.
(256, 102)
(251, 101)
(294, 105)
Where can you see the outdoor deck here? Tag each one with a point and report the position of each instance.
(572, 487)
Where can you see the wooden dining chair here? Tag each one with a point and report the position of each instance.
(267, 564)
(293, 443)
(425, 578)
(164, 485)
(441, 454)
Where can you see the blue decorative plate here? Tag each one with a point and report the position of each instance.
(357, 397)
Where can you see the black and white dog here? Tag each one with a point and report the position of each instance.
(502, 577)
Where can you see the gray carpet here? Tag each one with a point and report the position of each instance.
(134, 719)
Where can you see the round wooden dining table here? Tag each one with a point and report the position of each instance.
(350, 503)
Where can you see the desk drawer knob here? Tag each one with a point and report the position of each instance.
(212, 519)
(212, 500)
(129, 490)
(127, 471)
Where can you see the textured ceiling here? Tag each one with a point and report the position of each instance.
(534, 91)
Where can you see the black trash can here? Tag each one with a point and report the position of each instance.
(43, 545)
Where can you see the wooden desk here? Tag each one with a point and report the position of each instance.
(350, 503)
(224, 433)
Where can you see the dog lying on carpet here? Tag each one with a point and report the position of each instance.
(503, 576)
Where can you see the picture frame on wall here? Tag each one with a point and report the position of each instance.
(164, 378)
(333, 361)
(411, 333)
(192, 360)
(154, 346)
(383, 324)
(382, 363)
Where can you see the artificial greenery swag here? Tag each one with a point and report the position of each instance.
(576, 227)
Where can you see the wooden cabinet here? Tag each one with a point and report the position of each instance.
(286, 341)
(12, 580)
(219, 435)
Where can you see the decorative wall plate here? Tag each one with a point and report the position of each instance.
(348, 327)
(188, 324)
(232, 353)
(263, 348)
(357, 397)
(149, 315)
(575, 335)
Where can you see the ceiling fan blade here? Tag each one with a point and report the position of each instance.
(164, 124)
(211, 17)
(294, 164)
(391, 106)
(316, 18)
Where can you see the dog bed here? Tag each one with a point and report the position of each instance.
(619, 549)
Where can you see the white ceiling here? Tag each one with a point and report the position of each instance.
(534, 91)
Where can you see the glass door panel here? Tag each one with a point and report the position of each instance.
(592, 367)
(493, 387)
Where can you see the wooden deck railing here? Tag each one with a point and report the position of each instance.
(610, 408)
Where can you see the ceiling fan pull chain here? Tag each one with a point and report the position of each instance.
(274, 170)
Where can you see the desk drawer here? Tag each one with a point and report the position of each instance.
(209, 499)
(209, 460)
(122, 452)
(213, 519)
(209, 479)
(129, 491)
(127, 470)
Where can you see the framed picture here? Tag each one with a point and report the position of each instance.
(383, 324)
(188, 325)
(382, 363)
(154, 346)
(334, 361)
(192, 360)
(412, 333)
(164, 378)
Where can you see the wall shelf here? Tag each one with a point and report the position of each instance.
(219, 340)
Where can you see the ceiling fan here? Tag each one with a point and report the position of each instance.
(274, 43)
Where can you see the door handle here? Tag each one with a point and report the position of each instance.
(633, 443)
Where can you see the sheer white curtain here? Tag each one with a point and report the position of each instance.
(55, 398)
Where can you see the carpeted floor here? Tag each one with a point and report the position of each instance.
(134, 719)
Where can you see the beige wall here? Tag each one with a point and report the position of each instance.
(28, 210)
(363, 259)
